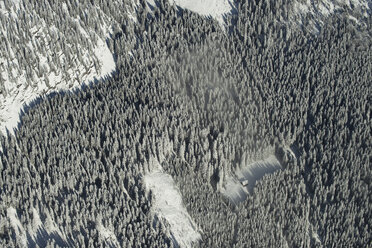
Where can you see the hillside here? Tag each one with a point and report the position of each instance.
(47, 47)
(185, 123)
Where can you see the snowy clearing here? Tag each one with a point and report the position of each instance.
(214, 8)
(237, 187)
(169, 207)
(327, 7)
(292, 151)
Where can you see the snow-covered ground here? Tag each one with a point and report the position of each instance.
(234, 190)
(11, 106)
(169, 207)
(37, 233)
(238, 186)
(313, 234)
(21, 88)
(326, 7)
(292, 151)
(214, 8)
(20, 232)
(107, 235)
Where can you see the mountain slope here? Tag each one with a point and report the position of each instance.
(50, 46)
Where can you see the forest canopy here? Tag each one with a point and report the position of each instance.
(203, 101)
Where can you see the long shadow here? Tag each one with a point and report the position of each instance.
(73, 91)
(27, 107)
(42, 238)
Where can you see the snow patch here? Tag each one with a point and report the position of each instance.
(11, 106)
(326, 7)
(22, 85)
(313, 235)
(35, 233)
(36, 224)
(168, 206)
(292, 151)
(302, 7)
(105, 57)
(316, 237)
(152, 2)
(238, 186)
(51, 228)
(234, 190)
(107, 235)
(17, 226)
(353, 19)
(16, 1)
(214, 8)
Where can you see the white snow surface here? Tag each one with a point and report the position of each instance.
(234, 190)
(22, 90)
(36, 224)
(233, 187)
(38, 232)
(20, 233)
(313, 234)
(168, 206)
(214, 8)
(327, 7)
(10, 110)
(107, 235)
(16, 2)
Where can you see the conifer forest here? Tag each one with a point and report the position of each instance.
(183, 123)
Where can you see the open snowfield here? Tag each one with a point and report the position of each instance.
(327, 7)
(169, 207)
(248, 175)
(38, 232)
(214, 8)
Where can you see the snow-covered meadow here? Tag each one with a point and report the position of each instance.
(214, 8)
(238, 186)
(169, 207)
